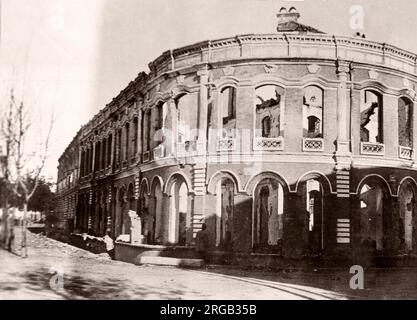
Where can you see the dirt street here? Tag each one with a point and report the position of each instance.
(54, 270)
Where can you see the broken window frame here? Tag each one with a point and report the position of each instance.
(406, 141)
(318, 132)
(259, 117)
(379, 139)
(227, 124)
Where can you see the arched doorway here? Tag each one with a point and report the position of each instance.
(374, 224)
(225, 191)
(120, 211)
(146, 215)
(406, 202)
(130, 206)
(314, 220)
(179, 216)
(268, 216)
(157, 226)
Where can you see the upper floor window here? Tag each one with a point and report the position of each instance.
(405, 122)
(135, 136)
(119, 145)
(159, 122)
(142, 131)
(228, 111)
(269, 111)
(371, 117)
(147, 131)
(313, 112)
(103, 154)
(127, 136)
(97, 153)
(183, 116)
(109, 149)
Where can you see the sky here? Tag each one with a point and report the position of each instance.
(71, 57)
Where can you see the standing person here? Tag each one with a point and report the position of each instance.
(109, 245)
(202, 240)
(10, 231)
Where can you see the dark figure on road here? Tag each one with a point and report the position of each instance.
(10, 231)
(202, 242)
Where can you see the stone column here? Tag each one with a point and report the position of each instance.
(213, 130)
(293, 119)
(414, 124)
(390, 125)
(171, 127)
(343, 112)
(203, 106)
(355, 121)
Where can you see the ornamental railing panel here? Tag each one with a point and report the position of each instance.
(226, 144)
(406, 153)
(268, 144)
(313, 144)
(372, 149)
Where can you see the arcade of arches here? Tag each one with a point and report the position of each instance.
(264, 219)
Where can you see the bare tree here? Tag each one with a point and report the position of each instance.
(7, 131)
(22, 162)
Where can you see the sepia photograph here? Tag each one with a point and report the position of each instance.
(222, 151)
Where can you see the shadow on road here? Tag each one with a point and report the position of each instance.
(331, 283)
(78, 287)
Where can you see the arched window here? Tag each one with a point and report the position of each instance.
(159, 123)
(103, 154)
(135, 136)
(371, 117)
(109, 149)
(148, 126)
(313, 112)
(82, 164)
(183, 118)
(405, 122)
(269, 111)
(127, 142)
(97, 153)
(228, 111)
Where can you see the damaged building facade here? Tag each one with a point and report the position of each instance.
(293, 144)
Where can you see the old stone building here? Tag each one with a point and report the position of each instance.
(296, 143)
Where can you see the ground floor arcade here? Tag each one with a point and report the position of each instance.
(264, 214)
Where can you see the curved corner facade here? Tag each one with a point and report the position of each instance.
(287, 144)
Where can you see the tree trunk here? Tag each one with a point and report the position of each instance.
(24, 228)
(3, 233)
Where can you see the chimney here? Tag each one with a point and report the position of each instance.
(285, 17)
